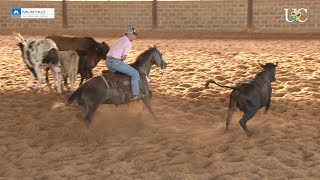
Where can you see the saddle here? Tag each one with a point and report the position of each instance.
(115, 80)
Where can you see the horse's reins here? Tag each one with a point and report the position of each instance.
(105, 81)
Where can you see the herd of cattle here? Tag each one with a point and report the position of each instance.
(64, 55)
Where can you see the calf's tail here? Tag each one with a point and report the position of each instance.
(76, 94)
(212, 81)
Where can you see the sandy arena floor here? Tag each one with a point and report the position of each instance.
(40, 138)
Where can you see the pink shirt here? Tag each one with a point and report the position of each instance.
(120, 48)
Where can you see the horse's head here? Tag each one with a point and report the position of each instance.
(148, 58)
(156, 57)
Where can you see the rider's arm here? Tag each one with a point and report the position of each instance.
(123, 57)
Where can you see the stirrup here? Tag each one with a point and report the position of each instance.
(135, 98)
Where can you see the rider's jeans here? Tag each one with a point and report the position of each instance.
(118, 65)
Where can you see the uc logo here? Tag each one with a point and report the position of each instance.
(296, 15)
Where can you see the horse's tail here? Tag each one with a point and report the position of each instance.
(76, 94)
(212, 81)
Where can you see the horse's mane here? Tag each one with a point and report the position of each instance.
(143, 57)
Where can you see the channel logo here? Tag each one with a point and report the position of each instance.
(32, 13)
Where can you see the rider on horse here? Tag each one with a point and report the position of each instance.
(116, 56)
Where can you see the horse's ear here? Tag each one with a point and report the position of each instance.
(149, 46)
(155, 46)
(276, 64)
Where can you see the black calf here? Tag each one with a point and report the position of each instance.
(249, 97)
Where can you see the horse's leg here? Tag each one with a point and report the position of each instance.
(245, 118)
(80, 115)
(147, 103)
(90, 113)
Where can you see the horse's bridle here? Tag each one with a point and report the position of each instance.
(162, 61)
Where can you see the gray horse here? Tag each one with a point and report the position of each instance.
(115, 88)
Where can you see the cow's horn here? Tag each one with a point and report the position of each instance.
(260, 64)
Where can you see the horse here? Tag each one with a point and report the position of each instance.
(249, 97)
(115, 88)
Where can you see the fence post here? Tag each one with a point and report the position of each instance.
(249, 15)
(64, 14)
(154, 14)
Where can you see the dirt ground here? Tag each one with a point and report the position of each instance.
(40, 138)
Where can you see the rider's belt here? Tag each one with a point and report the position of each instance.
(113, 58)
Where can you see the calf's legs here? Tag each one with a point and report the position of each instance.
(30, 83)
(57, 75)
(37, 71)
(245, 118)
(231, 109)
